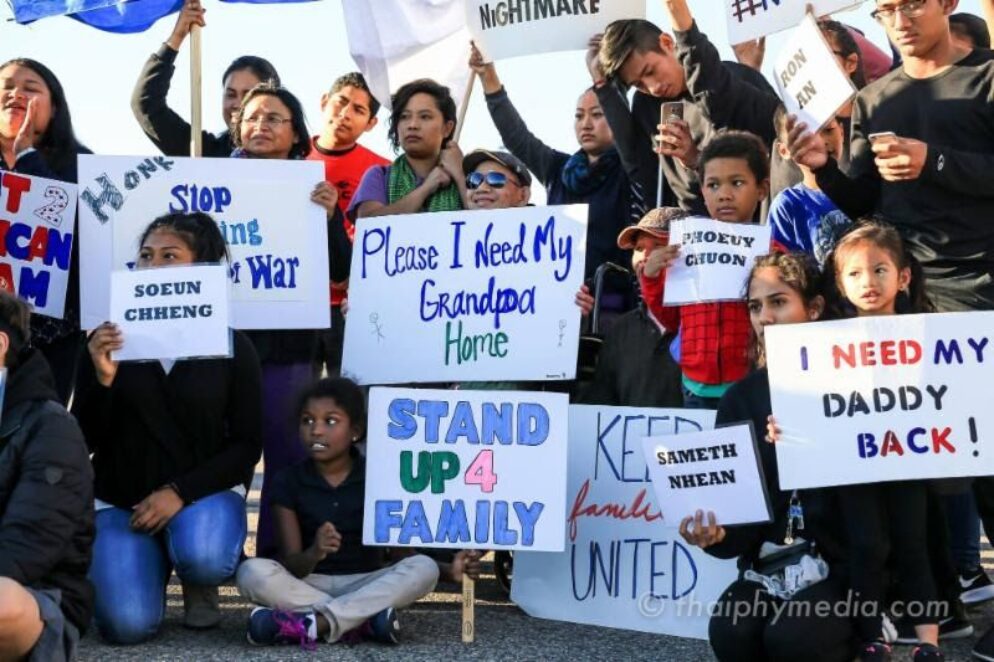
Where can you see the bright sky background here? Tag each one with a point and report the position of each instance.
(308, 45)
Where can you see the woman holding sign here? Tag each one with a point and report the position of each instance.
(174, 445)
(270, 125)
(781, 289)
(37, 138)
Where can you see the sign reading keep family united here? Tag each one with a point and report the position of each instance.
(481, 295)
(277, 237)
(37, 226)
(466, 469)
(877, 399)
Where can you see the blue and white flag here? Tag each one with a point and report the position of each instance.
(120, 16)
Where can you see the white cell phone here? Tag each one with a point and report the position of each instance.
(882, 138)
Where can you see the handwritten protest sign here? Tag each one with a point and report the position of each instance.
(482, 295)
(277, 237)
(716, 470)
(715, 259)
(752, 19)
(171, 313)
(466, 469)
(882, 398)
(808, 77)
(37, 225)
(622, 567)
(508, 28)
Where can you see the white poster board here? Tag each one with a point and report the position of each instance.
(277, 237)
(482, 295)
(623, 566)
(172, 312)
(808, 77)
(877, 399)
(715, 259)
(715, 470)
(466, 469)
(37, 222)
(503, 30)
(752, 19)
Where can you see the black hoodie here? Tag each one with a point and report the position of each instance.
(46, 491)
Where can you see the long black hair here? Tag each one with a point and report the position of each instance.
(58, 144)
(302, 145)
(197, 230)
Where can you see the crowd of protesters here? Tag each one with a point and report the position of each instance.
(147, 470)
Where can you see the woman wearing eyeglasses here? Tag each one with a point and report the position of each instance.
(270, 125)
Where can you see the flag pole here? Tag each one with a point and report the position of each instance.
(196, 116)
(463, 107)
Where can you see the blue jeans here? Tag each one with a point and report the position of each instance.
(130, 569)
(964, 531)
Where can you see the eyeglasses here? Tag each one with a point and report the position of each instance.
(271, 122)
(493, 179)
(910, 9)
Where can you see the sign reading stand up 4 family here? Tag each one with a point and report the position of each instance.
(471, 295)
(466, 469)
(277, 237)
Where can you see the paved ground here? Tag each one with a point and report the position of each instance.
(431, 631)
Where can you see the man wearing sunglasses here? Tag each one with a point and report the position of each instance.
(496, 180)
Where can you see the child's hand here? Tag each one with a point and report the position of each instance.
(327, 540)
(700, 535)
(584, 300)
(772, 430)
(466, 562)
(661, 257)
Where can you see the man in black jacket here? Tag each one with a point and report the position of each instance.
(46, 506)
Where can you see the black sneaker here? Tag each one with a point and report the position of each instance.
(269, 627)
(876, 651)
(984, 650)
(927, 653)
(954, 627)
(976, 588)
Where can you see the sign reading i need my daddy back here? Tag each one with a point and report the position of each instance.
(466, 469)
(471, 295)
(508, 28)
(277, 237)
(899, 397)
(37, 225)
(715, 258)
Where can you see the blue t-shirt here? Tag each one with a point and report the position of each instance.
(806, 220)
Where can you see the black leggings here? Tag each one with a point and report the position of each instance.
(882, 518)
(746, 625)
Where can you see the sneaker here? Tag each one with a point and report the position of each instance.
(984, 650)
(269, 627)
(384, 627)
(927, 653)
(953, 627)
(876, 651)
(201, 610)
(975, 588)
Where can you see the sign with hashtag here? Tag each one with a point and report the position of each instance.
(808, 77)
(752, 19)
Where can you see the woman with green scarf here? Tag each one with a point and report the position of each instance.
(428, 175)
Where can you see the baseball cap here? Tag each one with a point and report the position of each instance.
(509, 161)
(656, 222)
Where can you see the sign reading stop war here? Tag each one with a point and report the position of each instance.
(752, 19)
(466, 469)
(37, 225)
(508, 28)
(277, 238)
(808, 77)
(879, 399)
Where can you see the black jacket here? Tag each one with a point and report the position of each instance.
(749, 400)
(46, 491)
(162, 125)
(199, 427)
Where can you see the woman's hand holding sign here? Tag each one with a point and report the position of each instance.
(695, 532)
(106, 339)
(326, 196)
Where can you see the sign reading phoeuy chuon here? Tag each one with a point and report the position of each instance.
(508, 28)
(480, 295)
(808, 77)
(37, 219)
(752, 19)
(466, 469)
(715, 259)
(277, 237)
(171, 313)
(623, 567)
(878, 399)
(715, 470)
